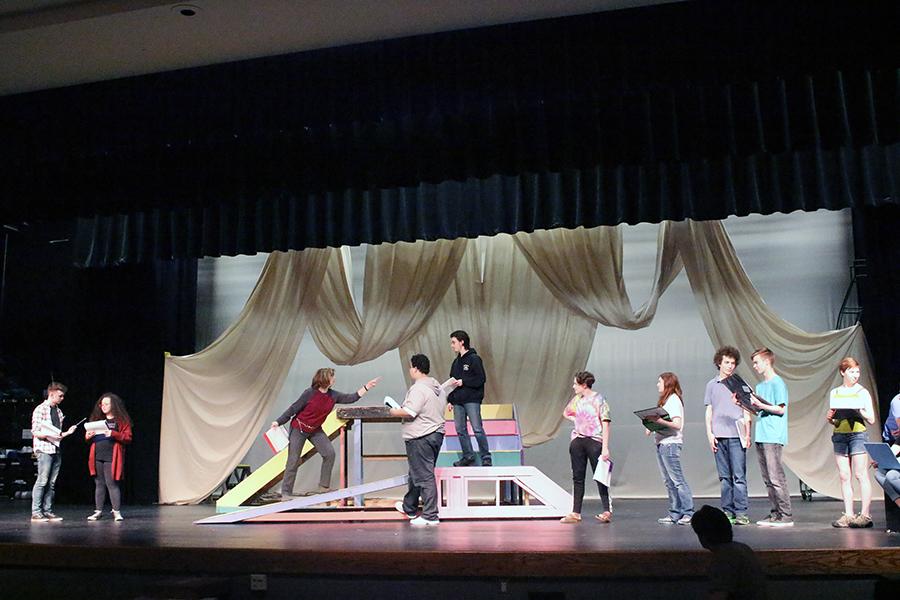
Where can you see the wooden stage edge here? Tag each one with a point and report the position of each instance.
(164, 539)
(829, 562)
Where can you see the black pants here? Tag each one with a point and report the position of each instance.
(582, 450)
(105, 482)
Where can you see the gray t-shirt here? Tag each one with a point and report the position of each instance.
(426, 399)
(725, 413)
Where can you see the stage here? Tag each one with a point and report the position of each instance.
(634, 550)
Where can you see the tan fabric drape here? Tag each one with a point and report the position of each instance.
(735, 314)
(404, 283)
(215, 401)
(582, 268)
(531, 345)
(531, 304)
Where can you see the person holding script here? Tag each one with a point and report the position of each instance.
(850, 408)
(668, 428)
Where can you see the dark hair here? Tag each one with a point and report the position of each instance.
(117, 406)
(322, 378)
(765, 353)
(461, 336)
(585, 378)
(421, 363)
(729, 351)
(55, 385)
(711, 525)
(670, 386)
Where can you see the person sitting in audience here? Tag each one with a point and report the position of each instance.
(734, 571)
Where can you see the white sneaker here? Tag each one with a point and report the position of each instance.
(117, 516)
(95, 516)
(423, 522)
(399, 506)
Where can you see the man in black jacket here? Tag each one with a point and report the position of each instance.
(468, 374)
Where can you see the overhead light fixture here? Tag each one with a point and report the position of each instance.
(186, 10)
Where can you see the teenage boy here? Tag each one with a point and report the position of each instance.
(469, 378)
(46, 430)
(728, 432)
(771, 437)
(423, 434)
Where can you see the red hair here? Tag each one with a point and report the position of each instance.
(670, 386)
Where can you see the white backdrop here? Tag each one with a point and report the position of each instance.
(798, 262)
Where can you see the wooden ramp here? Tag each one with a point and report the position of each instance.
(273, 470)
(543, 499)
(259, 512)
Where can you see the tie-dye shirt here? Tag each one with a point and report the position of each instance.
(589, 415)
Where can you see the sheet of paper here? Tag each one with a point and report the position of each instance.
(449, 384)
(277, 439)
(96, 426)
(388, 401)
(852, 402)
(742, 434)
(603, 474)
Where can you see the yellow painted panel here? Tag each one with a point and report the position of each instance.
(488, 411)
(272, 470)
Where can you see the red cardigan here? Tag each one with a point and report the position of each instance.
(121, 438)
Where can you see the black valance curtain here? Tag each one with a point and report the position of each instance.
(695, 109)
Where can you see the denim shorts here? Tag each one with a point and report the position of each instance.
(848, 444)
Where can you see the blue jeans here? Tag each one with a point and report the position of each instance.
(472, 411)
(681, 501)
(890, 481)
(731, 464)
(45, 484)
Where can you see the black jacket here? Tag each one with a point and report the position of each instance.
(469, 369)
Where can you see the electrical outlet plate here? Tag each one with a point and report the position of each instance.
(258, 583)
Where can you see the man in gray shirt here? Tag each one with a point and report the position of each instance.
(423, 433)
(728, 432)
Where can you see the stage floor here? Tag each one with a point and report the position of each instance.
(164, 538)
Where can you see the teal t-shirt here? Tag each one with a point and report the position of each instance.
(772, 428)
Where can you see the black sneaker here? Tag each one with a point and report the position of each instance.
(464, 462)
(52, 516)
(487, 462)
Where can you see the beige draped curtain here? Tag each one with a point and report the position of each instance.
(404, 283)
(215, 401)
(531, 303)
(735, 314)
(582, 268)
(531, 345)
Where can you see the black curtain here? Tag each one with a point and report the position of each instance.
(877, 241)
(697, 109)
(97, 330)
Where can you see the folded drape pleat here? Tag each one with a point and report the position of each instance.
(404, 283)
(582, 268)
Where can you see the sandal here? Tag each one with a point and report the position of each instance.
(571, 518)
(604, 517)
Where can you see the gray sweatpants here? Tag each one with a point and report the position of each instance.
(323, 447)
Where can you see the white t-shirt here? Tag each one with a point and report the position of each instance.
(674, 407)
